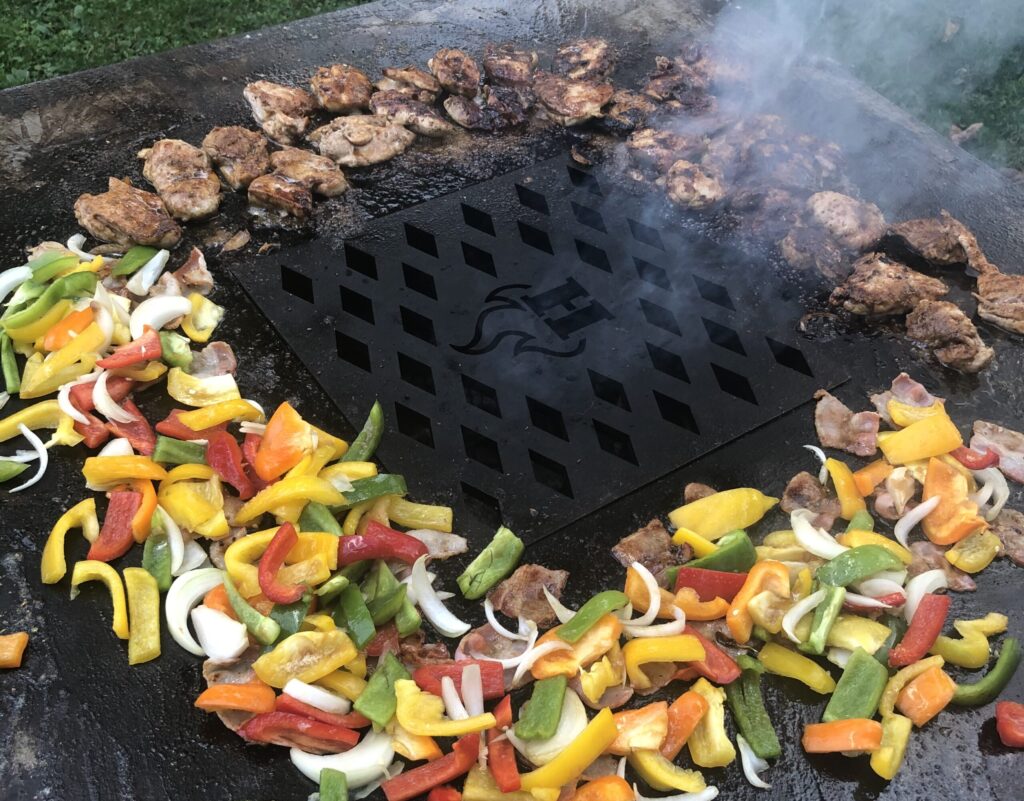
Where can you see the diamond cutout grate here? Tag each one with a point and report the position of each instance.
(543, 342)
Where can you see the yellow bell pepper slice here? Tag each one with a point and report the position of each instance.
(46, 414)
(142, 373)
(215, 528)
(358, 665)
(415, 747)
(191, 504)
(422, 713)
(242, 556)
(420, 515)
(189, 472)
(349, 471)
(709, 744)
(38, 380)
(663, 775)
(903, 414)
(974, 552)
(480, 786)
(595, 643)
(318, 622)
(716, 515)
(82, 515)
(850, 499)
(27, 334)
(901, 679)
(850, 632)
(931, 436)
(88, 341)
(353, 517)
(65, 433)
(91, 570)
(105, 470)
(298, 488)
(337, 445)
(343, 682)
(307, 656)
(783, 662)
(608, 672)
(192, 391)
(144, 614)
(971, 650)
(857, 537)
(886, 761)
(205, 316)
(803, 583)
(699, 545)
(577, 756)
(676, 648)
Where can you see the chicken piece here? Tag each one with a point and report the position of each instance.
(906, 390)
(127, 216)
(767, 213)
(879, 286)
(944, 329)
(317, 173)
(943, 241)
(361, 139)
(403, 110)
(194, 275)
(569, 102)
(456, 71)
(650, 147)
(584, 60)
(240, 155)
(1009, 444)
(694, 491)
(507, 65)
(166, 284)
(278, 193)
(484, 642)
(522, 593)
(808, 247)
(838, 427)
(281, 111)
(681, 86)
(1009, 527)
(652, 547)
(854, 224)
(215, 359)
(928, 556)
(1001, 300)
(340, 88)
(690, 186)
(496, 109)
(627, 112)
(183, 177)
(414, 651)
(804, 491)
(410, 81)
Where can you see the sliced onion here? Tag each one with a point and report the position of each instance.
(121, 308)
(105, 322)
(363, 764)
(187, 591)
(919, 586)
(895, 576)
(323, 699)
(105, 404)
(707, 794)
(878, 587)
(64, 398)
(562, 612)
(473, 690)
(439, 544)
(147, 274)
(839, 656)
(453, 706)
(620, 770)
(514, 661)
(812, 539)
(392, 770)
(752, 764)
(677, 626)
(571, 723)
(157, 312)
(437, 613)
(248, 427)
(4, 397)
(496, 625)
(534, 654)
(74, 244)
(653, 596)
(867, 602)
(13, 278)
(193, 557)
(40, 449)
(906, 523)
(220, 637)
(823, 470)
(117, 447)
(175, 542)
(993, 486)
(797, 612)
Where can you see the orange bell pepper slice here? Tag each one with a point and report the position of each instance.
(956, 516)
(646, 727)
(217, 598)
(639, 597)
(686, 599)
(683, 716)
(598, 640)
(143, 518)
(689, 601)
(64, 331)
(869, 477)
(607, 788)
(287, 440)
(766, 575)
(255, 697)
(925, 696)
(12, 648)
(851, 735)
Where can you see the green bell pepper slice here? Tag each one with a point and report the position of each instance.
(263, 629)
(317, 517)
(861, 521)
(858, 690)
(135, 258)
(748, 710)
(50, 265)
(592, 611)
(857, 564)
(367, 489)
(156, 554)
(9, 469)
(332, 586)
(333, 785)
(539, 716)
(175, 451)
(825, 615)
(67, 287)
(289, 617)
(378, 701)
(12, 375)
(365, 444)
(735, 554)
(352, 615)
(177, 351)
(494, 563)
(986, 689)
(408, 620)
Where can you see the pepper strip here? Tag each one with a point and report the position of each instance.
(924, 630)
(709, 744)
(297, 488)
(46, 414)
(747, 705)
(593, 610)
(577, 756)
(985, 690)
(972, 649)
(677, 648)
(82, 515)
(768, 575)
(501, 756)
(271, 563)
(379, 701)
(365, 444)
(898, 681)
(850, 499)
(416, 782)
(825, 615)
(116, 536)
(886, 761)
(100, 571)
(144, 614)
(783, 662)
(859, 689)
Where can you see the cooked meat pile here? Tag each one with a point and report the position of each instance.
(1001, 300)
(341, 89)
(240, 155)
(276, 192)
(652, 547)
(127, 216)
(412, 81)
(830, 228)
(183, 177)
(949, 334)
(522, 593)
(569, 101)
(317, 173)
(361, 139)
(879, 285)
(281, 111)
(942, 241)
(804, 491)
(497, 108)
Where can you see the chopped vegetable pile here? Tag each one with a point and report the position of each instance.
(302, 575)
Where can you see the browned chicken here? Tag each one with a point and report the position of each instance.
(456, 71)
(127, 216)
(507, 65)
(690, 186)
(361, 139)
(569, 102)
(497, 108)
(943, 241)
(404, 110)
(854, 224)
(681, 84)
(240, 155)
(283, 195)
(766, 214)
(340, 88)
(183, 177)
(839, 427)
(281, 111)
(1001, 300)
(317, 173)
(944, 329)
(410, 80)
(808, 247)
(879, 285)
(659, 149)
(584, 60)
(628, 111)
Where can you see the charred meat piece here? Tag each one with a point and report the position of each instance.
(340, 88)
(240, 155)
(946, 331)
(183, 177)
(403, 110)
(854, 224)
(628, 111)
(569, 102)
(456, 71)
(878, 286)
(680, 84)
(127, 216)
(414, 651)
(1009, 527)
(928, 556)
(1009, 444)
(278, 193)
(838, 427)
(584, 60)
(943, 241)
(411, 81)
(215, 359)
(522, 593)
(650, 147)
(906, 390)
(317, 173)
(194, 275)
(808, 247)
(1001, 300)
(496, 109)
(766, 214)
(690, 186)
(281, 111)
(361, 139)
(804, 491)
(694, 491)
(652, 547)
(507, 65)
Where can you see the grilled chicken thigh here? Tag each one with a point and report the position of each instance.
(341, 89)
(1001, 300)
(628, 111)
(878, 286)
(411, 81)
(854, 224)
(584, 60)
(690, 186)
(281, 111)
(943, 241)
(127, 216)
(507, 65)
(240, 155)
(456, 71)
(361, 139)
(317, 173)
(569, 102)
(681, 84)
(650, 147)
(279, 193)
(183, 177)
(403, 110)
(495, 109)
(808, 247)
(944, 329)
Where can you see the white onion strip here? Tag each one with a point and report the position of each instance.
(752, 764)
(74, 244)
(13, 278)
(906, 523)
(437, 613)
(473, 690)
(496, 624)
(562, 612)
(157, 312)
(319, 697)
(105, 404)
(674, 627)
(4, 397)
(64, 398)
(813, 539)
(620, 770)
(220, 636)
(175, 541)
(148, 273)
(187, 591)
(193, 557)
(839, 656)
(867, 602)
(797, 612)
(453, 705)
(40, 449)
(364, 763)
(993, 486)
(515, 661)
(823, 471)
(105, 322)
(117, 447)
(707, 794)
(919, 586)
(878, 587)
(653, 595)
(536, 653)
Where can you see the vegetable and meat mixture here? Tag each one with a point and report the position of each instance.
(280, 554)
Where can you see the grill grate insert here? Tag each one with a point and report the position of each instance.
(544, 342)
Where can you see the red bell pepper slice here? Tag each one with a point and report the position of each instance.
(272, 561)
(1010, 723)
(95, 433)
(973, 460)
(225, 457)
(444, 793)
(501, 756)
(924, 629)
(384, 641)
(379, 542)
(144, 349)
(116, 535)
(250, 445)
(492, 676)
(264, 728)
(173, 427)
(138, 432)
(117, 385)
(717, 666)
(286, 703)
(419, 780)
(710, 584)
